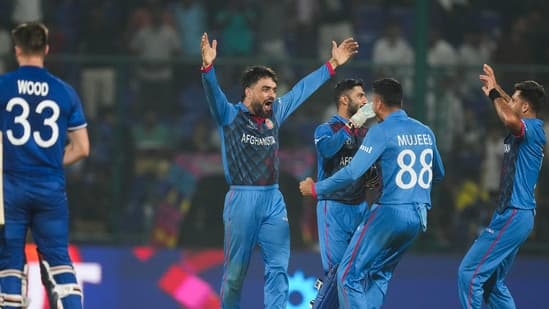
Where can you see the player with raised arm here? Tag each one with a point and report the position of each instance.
(482, 271)
(409, 161)
(340, 212)
(254, 211)
(38, 111)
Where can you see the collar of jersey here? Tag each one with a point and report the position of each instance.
(31, 68)
(397, 114)
(339, 118)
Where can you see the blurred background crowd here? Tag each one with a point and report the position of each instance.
(155, 174)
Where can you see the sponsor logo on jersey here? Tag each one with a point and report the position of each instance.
(269, 124)
(365, 148)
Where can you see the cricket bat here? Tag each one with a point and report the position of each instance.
(2, 219)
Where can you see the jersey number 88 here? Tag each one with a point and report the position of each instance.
(425, 175)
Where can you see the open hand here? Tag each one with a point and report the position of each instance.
(306, 186)
(208, 51)
(488, 79)
(343, 52)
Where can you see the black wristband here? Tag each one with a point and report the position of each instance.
(494, 94)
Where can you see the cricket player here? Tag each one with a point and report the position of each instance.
(409, 161)
(481, 275)
(339, 213)
(37, 113)
(254, 210)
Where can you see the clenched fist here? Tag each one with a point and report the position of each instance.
(306, 186)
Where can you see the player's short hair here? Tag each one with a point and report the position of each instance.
(532, 92)
(346, 85)
(31, 37)
(390, 91)
(253, 74)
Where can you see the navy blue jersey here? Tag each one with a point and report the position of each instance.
(335, 146)
(37, 109)
(522, 159)
(408, 157)
(250, 143)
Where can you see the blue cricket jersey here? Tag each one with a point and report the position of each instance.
(522, 159)
(408, 157)
(250, 143)
(37, 109)
(335, 146)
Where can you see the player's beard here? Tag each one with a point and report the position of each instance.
(258, 108)
(352, 108)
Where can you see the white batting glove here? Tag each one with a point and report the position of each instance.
(364, 113)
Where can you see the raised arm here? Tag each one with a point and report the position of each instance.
(221, 109)
(288, 103)
(501, 101)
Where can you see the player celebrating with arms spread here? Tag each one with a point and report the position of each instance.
(254, 210)
(37, 111)
(483, 269)
(409, 161)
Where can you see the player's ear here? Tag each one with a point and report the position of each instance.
(47, 50)
(17, 50)
(376, 105)
(247, 92)
(343, 99)
(525, 107)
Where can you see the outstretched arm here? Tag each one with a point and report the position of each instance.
(221, 109)
(288, 103)
(501, 101)
(371, 149)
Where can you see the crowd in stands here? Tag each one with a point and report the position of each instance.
(136, 69)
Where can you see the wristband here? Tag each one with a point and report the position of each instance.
(494, 94)
(206, 69)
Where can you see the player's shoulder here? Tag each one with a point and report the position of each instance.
(533, 122)
(56, 79)
(62, 84)
(420, 124)
(324, 128)
(6, 76)
(332, 121)
(535, 127)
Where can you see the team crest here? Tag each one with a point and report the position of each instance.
(269, 124)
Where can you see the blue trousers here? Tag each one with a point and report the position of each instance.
(336, 223)
(482, 271)
(255, 216)
(30, 202)
(375, 250)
